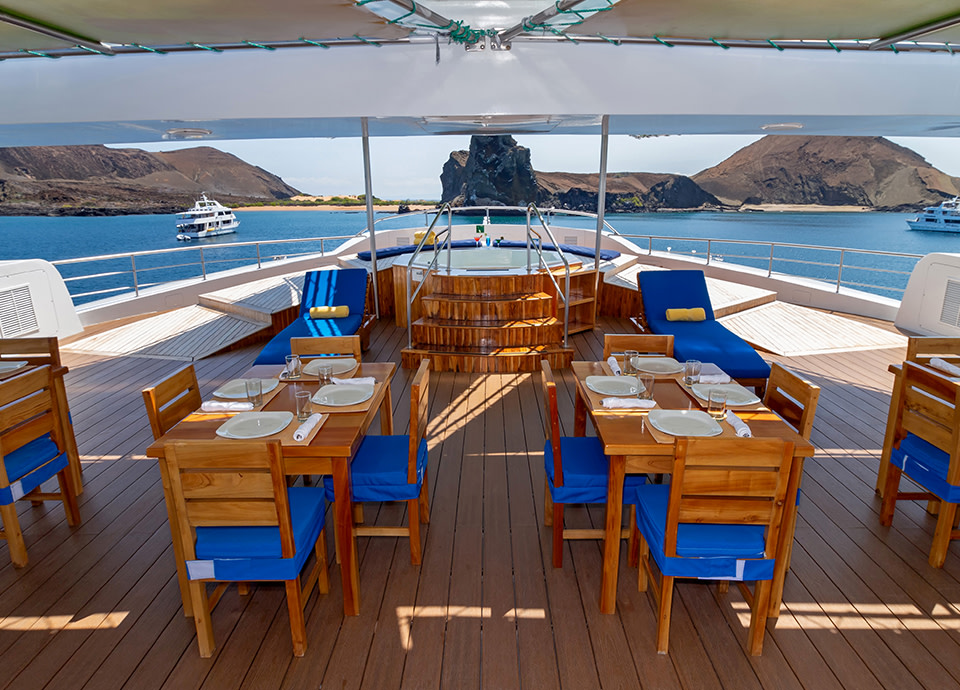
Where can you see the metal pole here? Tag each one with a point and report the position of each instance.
(368, 191)
(601, 202)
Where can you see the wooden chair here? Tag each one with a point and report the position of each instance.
(32, 450)
(642, 343)
(576, 471)
(719, 518)
(792, 398)
(926, 447)
(238, 522)
(170, 400)
(341, 345)
(394, 468)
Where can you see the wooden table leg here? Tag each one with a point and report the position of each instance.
(788, 528)
(69, 440)
(182, 578)
(611, 537)
(349, 565)
(580, 416)
(888, 435)
(386, 412)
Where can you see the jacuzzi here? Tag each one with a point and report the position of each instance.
(488, 260)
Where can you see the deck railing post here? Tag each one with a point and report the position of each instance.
(258, 253)
(133, 266)
(709, 250)
(203, 265)
(770, 266)
(840, 269)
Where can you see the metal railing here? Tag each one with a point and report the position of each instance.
(537, 244)
(438, 246)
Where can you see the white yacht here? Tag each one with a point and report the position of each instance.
(942, 218)
(207, 218)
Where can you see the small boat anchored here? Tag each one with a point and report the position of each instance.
(942, 218)
(207, 218)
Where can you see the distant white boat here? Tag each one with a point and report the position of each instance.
(942, 218)
(207, 218)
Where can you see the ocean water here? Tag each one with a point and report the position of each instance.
(66, 238)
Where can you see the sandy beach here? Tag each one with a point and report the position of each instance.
(358, 209)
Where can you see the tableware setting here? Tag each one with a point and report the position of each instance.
(294, 367)
(737, 395)
(627, 404)
(362, 380)
(739, 426)
(304, 408)
(255, 425)
(614, 365)
(691, 372)
(684, 423)
(254, 388)
(217, 406)
(314, 421)
(237, 388)
(717, 403)
(343, 396)
(629, 356)
(7, 367)
(657, 365)
(612, 385)
(711, 373)
(645, 383)
(338, 365)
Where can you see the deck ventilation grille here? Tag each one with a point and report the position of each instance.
(17, 316)
(950, 311)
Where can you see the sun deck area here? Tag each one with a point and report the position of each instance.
(98, 606)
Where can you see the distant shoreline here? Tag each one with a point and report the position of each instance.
(359, 209)
(746, 208)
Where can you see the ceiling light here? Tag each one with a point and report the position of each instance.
(781, 126)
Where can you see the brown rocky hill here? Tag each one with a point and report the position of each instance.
(96, 180)
(834, 171)
(626, 192)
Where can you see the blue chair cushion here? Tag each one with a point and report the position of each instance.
(927, 465)
(254, 553)
(379, 470)
(710, 341)
(709, 551)
(605, 254)
(30, 466)
(662, 290)
(586, 471)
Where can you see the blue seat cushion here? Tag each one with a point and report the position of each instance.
(586, 471)
(379, 470)
(605, 254)
(709, 551)
(927, 465)
(30, 466)
(275, 351)
(254, 553)
(662, 290)
(710, 341)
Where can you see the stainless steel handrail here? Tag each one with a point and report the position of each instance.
(427, 272)
(563, 294)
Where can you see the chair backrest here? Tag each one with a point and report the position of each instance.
(419, 411)
(662, 290)
(922, 349)
(347, 345)
(734, 481)
(793, 399)
(27, 411)
(333, 288)
(229, 484)
(929, 407)
(170, 400)
(641, 342)
(551, 419)
(36, 351)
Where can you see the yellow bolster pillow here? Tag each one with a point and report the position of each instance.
(431, 238)
(332, 312)
(695, 314)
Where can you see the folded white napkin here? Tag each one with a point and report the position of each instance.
(215, 406)
(304, 429)
(627, 403)
(743, 431)
(614, 366)
(711, 373)
(945, 366)
(360, 380)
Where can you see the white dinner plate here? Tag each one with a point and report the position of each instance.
(657, 365)
(343, 395)
(7, 367)
(737, 395)
(612, 385)
(684, 422)
(255, 424)
(341, 365)
(237, 389)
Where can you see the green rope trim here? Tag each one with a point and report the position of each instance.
(609, 40)
(149, 49)
(770, 41)
(557, 32)
(258, 45)
(718, 43)
(949, 49)
(893, 47)
(661, 41)
(315, 43)
(93, 50)
(404, 16)
(39, 53)
(367, 41)
(200, 45)
(830, 43)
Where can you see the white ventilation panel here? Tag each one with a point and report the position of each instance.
(950, 311)
(17, 316)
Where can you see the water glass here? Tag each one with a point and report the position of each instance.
(254, 391)
(304, 408)
(324, 373)
(629, 363)
(294, 367)
(691, 371)
(717, 403)
(645, 386)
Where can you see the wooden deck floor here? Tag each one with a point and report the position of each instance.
(98, 606)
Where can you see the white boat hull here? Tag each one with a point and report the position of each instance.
(933, 226)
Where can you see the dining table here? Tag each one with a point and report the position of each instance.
(328, 450)
(634, 447)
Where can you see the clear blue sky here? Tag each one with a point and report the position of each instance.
(409, 167)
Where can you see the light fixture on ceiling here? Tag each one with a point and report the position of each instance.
(180, 133)
(781, 126)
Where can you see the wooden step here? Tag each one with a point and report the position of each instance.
(483, 309)
(432, 332)
(487, 286)
(504, 360)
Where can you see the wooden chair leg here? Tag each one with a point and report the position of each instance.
(68, 495)
(723, 586)
(425, 500)
(413, 524)
(557, 535)
(323, 577)
(633, 545)
(643, 553)
(357, 513)
(663, 617)
(336, 539)
(890, 490)
(547, 503)
(758, 617)
(201, 618)
(942, 534)
(13, 535)
(243, 588)
(298, 626)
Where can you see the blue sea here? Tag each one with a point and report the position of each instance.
(66, 238)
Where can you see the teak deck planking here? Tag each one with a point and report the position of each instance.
(98, 606)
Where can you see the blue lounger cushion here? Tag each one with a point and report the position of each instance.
(254, 553)
(605, 254)
(586, 471)
(709, 551)
(927, 465)
(26, 468)
(379, 470)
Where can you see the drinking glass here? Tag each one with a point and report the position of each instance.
(645, 386)
(254, 391)
(294, 367)
(717, 403)
(629, 368)
(324, 373)
(691, 371)
(304, 408)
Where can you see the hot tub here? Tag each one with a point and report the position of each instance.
(489, 260)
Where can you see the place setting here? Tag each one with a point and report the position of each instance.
(622, 393)
(251, 425)
(346, 394)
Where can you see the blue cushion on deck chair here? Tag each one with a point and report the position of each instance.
(254, 553)
(30, 466)
(378, 471)
(709, 551)
(586, 471)
(927, 465)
